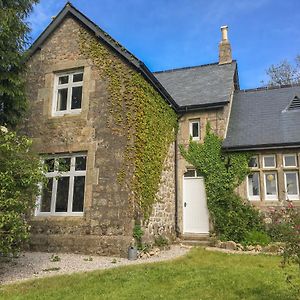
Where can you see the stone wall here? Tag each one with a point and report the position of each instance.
(106, 225)
(105, 228)
(162, 220)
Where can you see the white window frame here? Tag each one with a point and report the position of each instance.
(55, 175)
(68, 86)
(270, 197)
(196, 174)
(191, 122)
(275, 162)
(288, 196)
(294, 155)
(251, 197)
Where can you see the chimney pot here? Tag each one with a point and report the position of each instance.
(225, 56)
(224, 30)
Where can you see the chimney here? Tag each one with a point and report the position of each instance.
(225, 56)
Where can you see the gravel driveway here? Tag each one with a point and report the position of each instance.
(40, 264)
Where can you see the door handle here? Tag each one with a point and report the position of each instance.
(184, 204)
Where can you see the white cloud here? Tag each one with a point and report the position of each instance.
(41, 15)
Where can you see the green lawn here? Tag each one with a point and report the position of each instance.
(198, 275)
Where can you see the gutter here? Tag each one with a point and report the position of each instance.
(206, 106)
(177, 230)
(262, 147)
(176, 189)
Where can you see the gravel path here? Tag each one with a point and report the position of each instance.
(38, 264)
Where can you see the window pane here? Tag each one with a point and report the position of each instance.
(269, 161)
(78, 196)
(198, 174)
(290, 161)
(253, 163)
(253, 184)
(76, 97)
(78, 77)
(64, 164)
(46, 196)
(62, 194)
(189, 173)
(49, 164)
(195, 129)
(80, 163)
(291, 183)
(271, 184)
(62, 99)
(63, 79)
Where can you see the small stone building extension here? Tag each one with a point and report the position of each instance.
(67, 119)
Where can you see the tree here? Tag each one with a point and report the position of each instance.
(284, 73)
(21, 173)
(13, 41)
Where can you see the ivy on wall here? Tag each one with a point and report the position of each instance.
(139, 113)
(223, 173)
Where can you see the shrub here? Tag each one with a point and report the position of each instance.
(284, 225)
(137, 234)
(255, 237)
(161, 241)
(20, 175)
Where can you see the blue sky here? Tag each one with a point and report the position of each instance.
(167, 34)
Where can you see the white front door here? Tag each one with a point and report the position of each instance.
(195, 212)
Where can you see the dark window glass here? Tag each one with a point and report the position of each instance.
(271, 183)
(253, 184)
(63, 79)
(62, 194)
(64, 164)
(62, 99)
(195, 127)
(290, 161)
(46, 196)
(76, 97)
(49, 164)
(198, 173)
(189, 173)
(77, 77)
(291, 183)
(269, 162)
(78, 196)
(80, 163)
(253, 163)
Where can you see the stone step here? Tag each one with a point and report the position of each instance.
(195, 243)
(195, 237)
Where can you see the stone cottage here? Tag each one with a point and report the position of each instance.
(82, 87)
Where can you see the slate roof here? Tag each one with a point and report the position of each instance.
(70, 10)
(200, 86)
(260, 119)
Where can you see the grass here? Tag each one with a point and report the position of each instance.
(198, 275)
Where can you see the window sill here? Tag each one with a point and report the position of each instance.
(254, 199)
(62, 218)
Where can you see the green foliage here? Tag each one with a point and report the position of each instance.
(20, 173)
(161, 241)
(284, 226)
(13, 40)
(138, 234)
(141, 115)
(255, 237)
(223, 172)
